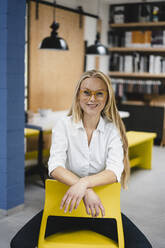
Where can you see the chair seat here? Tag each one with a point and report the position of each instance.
(79, 239)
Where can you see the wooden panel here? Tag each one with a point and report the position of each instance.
(53, 74)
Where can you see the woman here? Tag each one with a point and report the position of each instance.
(89, 148)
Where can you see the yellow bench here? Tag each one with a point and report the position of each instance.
(34, 154)
(140, 148)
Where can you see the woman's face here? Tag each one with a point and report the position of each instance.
(93, 96)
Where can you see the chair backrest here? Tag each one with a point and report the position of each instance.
(109, 195)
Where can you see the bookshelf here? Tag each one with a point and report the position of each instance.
(139, 25)
(151, 50)
(135, 53)
(143, 75)
(137, 59)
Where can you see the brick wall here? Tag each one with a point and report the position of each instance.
(12, 42)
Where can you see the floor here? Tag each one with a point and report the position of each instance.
(143, 202)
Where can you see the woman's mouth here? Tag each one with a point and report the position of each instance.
(92, 105)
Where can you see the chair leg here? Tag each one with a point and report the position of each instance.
(41, 167)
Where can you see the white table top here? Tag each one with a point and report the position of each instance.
(47, 119)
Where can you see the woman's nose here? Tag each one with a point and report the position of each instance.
(92, 97)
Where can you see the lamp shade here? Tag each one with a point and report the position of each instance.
(53, 41)
(97, 48)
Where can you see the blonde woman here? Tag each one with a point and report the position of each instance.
(89, 148)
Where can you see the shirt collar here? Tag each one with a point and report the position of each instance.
(79, 124)
(100, 126)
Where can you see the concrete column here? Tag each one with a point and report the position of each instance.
(12, 44)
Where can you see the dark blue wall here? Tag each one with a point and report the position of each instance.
(12, 44)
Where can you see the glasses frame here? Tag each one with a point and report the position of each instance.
(93, 93)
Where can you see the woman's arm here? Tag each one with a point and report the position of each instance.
(64, 176)
(81, 188)
(101, 178)
(67, 177)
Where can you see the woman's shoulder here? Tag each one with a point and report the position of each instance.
(109, 125)
(63, 121)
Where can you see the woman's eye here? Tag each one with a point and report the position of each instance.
(86, 92)
(99, 93)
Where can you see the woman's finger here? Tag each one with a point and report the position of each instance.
(77, 202)
(63, 201)
(67, 202)
(102, 209)
(97, 210)
(92, 211)
(72, 204)
(87, 209)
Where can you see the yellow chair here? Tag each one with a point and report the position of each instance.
(110, 197)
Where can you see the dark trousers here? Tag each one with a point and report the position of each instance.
(27, 237)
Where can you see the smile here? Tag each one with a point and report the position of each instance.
(92, 105)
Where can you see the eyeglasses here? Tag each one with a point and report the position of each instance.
(98, 94)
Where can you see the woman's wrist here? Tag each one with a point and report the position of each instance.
(84, 181)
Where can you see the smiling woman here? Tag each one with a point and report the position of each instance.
(89, 148)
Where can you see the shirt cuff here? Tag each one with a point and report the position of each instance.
(117, 172)
(53, 166)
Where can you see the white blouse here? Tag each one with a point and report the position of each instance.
(70, 148)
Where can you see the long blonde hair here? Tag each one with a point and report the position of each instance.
(110, 111)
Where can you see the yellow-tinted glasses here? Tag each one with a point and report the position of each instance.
(98, 94)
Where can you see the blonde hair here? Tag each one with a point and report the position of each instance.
(110, 111)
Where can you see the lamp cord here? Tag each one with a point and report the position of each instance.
(98, 7)
(54, 2)
(98, 12)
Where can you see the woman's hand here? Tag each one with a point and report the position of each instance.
(93, 204)
(74, 195)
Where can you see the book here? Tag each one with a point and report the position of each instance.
(128, 66)
(128, 38)
(157, 38)
(144, 12)
(118, 14)
(151, 64)
(141, 38)
(157, 63)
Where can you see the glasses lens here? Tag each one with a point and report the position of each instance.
(100, 94)
(86, 93)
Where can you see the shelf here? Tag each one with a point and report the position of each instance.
(138, 49)
(137, 25)
(144, 75)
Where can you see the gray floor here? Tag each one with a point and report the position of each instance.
(143, 203)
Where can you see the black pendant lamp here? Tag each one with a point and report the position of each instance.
(53, 41)
(97, 48)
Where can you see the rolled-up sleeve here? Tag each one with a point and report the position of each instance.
(58, 150)
(115, 154)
